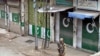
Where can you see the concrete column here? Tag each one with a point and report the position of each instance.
(8, 19)
(22, 17)
(51, 28)
(5, 15)
(52, 23)
(79, 33)
(74, 33)
(26, 17)
(57, 27)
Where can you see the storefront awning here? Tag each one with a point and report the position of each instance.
(82, 14)
(54, 9)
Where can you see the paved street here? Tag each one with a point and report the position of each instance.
(12, 44)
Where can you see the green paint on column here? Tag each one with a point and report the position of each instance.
(48, 34)
(22, 24)
(15, 17)
(33, 30)
(39, 31)
(2, 14)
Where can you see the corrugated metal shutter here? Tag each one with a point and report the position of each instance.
(90, 35)
(66, 29)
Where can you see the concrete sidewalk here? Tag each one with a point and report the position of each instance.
(12, 44)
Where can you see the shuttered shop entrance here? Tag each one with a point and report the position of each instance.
(90, 35)
(66, 24)
(66, 29)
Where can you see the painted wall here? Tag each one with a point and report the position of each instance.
(10, 20)
(15, 20)
(64, 2)
(66, 24)
(41, 23)
(88, 4)
(14, 16)
(90, 35)
(66, 28)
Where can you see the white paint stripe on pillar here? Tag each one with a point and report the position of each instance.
(22, 25)
(30, 29)
(10, 15)
(43, 32)
(22, 6)
(22, 28)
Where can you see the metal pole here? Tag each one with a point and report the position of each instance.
(5, 13)
(52, 23)
(45, 44)
(22, 17)
(43, 4)
(35, 18)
